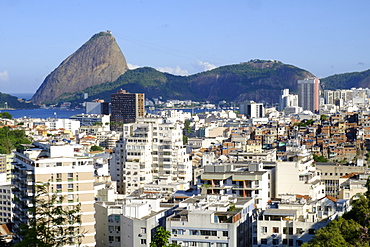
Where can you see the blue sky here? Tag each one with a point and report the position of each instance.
(183, 37)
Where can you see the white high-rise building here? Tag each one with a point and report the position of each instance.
(252, 109)
(288, 100)
(153, 151)
(68, 174)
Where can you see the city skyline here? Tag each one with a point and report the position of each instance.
(184, 37)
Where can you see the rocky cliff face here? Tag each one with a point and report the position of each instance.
(98, 61)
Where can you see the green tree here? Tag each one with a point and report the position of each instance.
(187, 129)
(337, 233)
(323, 117)
(51, 224)
(184, 139)
(11, 139)
(319, 158)
(96, 148)
(6, 115)
(161, 239)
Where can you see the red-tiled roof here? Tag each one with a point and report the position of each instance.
(330, 198)
(349, 175)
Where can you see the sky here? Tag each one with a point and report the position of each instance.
(183, 37)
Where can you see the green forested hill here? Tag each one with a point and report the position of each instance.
(257, 80)
(347, 80)
(14, 102)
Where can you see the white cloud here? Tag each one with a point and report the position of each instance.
(175, 71)
(203, 66)
(133, 66)
(4, 76)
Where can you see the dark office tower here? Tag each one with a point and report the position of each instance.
(126, 108)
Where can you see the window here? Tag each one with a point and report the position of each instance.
(285, 241)
(110, 228)
(264, 229)
(59, 186)
(59, 164)
(59, 175)
(70, 186)
(299, 242)
(118, 239)
(299, 231)
(290, 232)
(111, 238)
(194, 232)
(142, 241)
(254, 240)
(208, 233)
(117, 228)
(70, 197)
(263, 240)
(290, 242)
(275, 229)
(70, 175)
(225, 233)
(275, 242)
(311, 231)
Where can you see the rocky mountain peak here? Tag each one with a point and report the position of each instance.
(98, 61)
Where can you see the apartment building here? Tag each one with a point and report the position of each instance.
(212, 220)
(6, 203)
(224, 179)
(68, 173)
(151, 153)
(308, 94)
(6, 166)
(126, 108)
(331, 174)
(295, 219)
(129, 222)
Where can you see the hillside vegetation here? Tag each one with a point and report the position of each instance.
(347, 80)
(14, 102)
(257, 80)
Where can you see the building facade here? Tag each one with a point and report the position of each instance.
(68, 175)
(213, 220)
(126, 108)
(252, 109)
(309, 94)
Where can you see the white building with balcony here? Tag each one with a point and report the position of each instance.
(212, 220)
(294, 220)
(128, 222)
(153, 152)
(68, 173)
(224, 179)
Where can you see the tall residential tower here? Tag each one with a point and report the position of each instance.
(126, 108)
(309, 94)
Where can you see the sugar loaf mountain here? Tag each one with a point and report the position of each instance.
(99, 69)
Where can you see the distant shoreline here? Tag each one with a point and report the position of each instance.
(10, 109)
